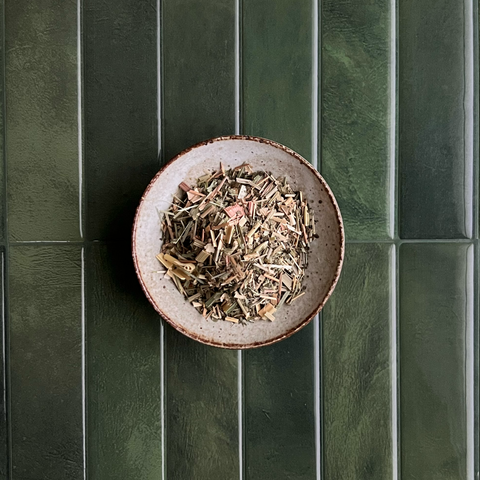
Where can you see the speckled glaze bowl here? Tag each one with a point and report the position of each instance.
(325, 259)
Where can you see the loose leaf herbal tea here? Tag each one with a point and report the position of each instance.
(236, 244)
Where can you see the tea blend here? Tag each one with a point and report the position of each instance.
(236, 244)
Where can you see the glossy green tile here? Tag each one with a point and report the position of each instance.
(3, 384)
(2, 121)
(42, 116)
(277, 72)
(45, 362)
(436, 361)
(279, 409)
(358, 435)
(277, 95)
(435, 145)
(123, 365)
(357, 61)
(198, 72)
(279, 380)
(120, 111)
(202, 410)
(198, 102)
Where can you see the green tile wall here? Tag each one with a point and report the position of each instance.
(381, 97)
(359, 434)
(201, 382)
(201, 408)
(198, 51)
(277, 72)
(2, 125)
(436, 315)
(45, 340)
(279, 409)
(41, 66)
(120, 111)
(123, 371)
(279, 393)
(435, 124)
(3, 385)
(357, 112)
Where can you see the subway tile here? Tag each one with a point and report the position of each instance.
(45, 362)
(198, 47)
(277, 72)
(42, 141)
(358, 431)
(123, 366)
(201, 410)
(436, 356)
(2, 122)
(120, 112)
(198, 72)
(279, 409)
(357, 124)
(435, 105)
(3, 380)
(277, 101)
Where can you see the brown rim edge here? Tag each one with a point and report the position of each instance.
(309, 318)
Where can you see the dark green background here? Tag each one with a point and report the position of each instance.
(381, 96)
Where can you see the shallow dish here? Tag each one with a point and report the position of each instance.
(325, 259)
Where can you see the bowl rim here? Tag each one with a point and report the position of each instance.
(309, 317)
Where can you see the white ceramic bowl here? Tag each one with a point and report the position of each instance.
(325, 259)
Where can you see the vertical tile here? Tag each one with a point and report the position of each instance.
(436, 310)
(2, 121)
(357, 65)
(475, 384)
(3, 384)
(123, 365)
(201, 407)
(199, 72)
(198, 103)
(435, 118)
(277, 66)
(42, 117)
(279, 410)
(357, 368)
(45, 325)
(120, 111)
(277, 72)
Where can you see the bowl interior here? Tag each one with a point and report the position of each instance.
(325, 257)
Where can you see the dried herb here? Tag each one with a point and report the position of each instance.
(236, 245)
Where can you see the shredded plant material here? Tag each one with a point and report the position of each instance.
(236, 245)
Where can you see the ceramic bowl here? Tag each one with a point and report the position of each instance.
(325, 259)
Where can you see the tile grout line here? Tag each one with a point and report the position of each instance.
(238, 73)
(160, 149)
(84, 364)
(315, 160)
(81, 229)
(4, 351)
(468, 121)
(475, 345)
(6, 263)
(428, 241)
(317, 392)
(240, 414)
(393, 119)
(238, 131)
(395, 227)
(470, 221)
(80, 114)
(470, 362)
(394, 277)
